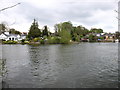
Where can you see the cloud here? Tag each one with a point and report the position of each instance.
(49, 12)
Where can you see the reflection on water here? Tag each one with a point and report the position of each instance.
(90, 65)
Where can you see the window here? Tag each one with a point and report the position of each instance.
(13, 39)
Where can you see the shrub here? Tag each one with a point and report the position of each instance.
(23, 40)
(36, 39)
(42, 42)
(53, 40)
(10, 42)
(26, 42)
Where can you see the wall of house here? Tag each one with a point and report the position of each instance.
(12, 38)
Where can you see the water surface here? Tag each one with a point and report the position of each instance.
(84, 65)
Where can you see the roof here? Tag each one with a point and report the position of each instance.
(15, 35)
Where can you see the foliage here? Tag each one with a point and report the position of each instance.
(53, 40)
(42, 41)
(63, 26)
(65, 37)
(26, 42)
(101, 38)
(92, 38)
(80, 30)
(34, 30)
(9, 42)
(45, 31)
(23, 40)
(65, 33)
(63, 30)
(67, 26)
(117, 35)
(13, 31)
(3, 27)
(36, 39)
(95, 30)
(57, 29)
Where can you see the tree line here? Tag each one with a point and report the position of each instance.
(64, 32)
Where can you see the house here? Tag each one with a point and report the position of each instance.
(98, 35)
(22, 37)
(14, 37)
(109, 37)
(3, 36)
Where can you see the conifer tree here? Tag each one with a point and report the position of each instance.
(45, 31)
(34, 30)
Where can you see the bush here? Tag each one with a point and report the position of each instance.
(10, 42)
(92, 38)
(42, 42)
(26, 42)
(23, 40)
(53, 40)
(36, 39)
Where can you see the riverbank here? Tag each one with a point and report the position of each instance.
(40, 43)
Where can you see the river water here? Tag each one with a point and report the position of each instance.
(84, 65)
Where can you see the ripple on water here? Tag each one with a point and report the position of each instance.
(86, 65)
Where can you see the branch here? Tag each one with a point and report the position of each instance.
(9, 7)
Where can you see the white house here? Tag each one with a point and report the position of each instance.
(14, 37)
(22, 37)
(3, 36)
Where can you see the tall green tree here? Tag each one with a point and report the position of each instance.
(34, 30)
(64, 31)
(45, 31)
(65, 37)
(57, 28)
(67, 26)
(63, 26)
(80, 30)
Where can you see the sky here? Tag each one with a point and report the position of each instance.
(88, 13)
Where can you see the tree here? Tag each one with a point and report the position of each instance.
(34, 30)
(79, 32)
(64, 30)
(63, 26)
(92, 38)
(65, 37)
(95, 30)
(13, 31)
(45, 31)
(57, 29)
(67, 26)
(3, 27)
(117, 35)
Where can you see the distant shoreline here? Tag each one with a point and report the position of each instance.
(37, 43)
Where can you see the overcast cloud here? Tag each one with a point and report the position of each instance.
(88, 13)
